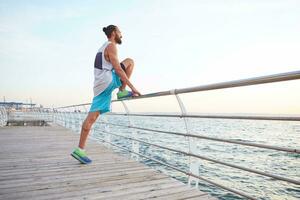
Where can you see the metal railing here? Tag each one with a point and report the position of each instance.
(65, 116)
(3, 116)
(230, 84)
(63, 112)
(8, 115)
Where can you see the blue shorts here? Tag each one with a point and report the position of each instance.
(102, 101)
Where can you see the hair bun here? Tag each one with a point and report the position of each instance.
(104, 29)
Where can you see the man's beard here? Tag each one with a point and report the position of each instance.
(118, 40)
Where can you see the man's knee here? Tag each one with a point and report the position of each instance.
(129, 62)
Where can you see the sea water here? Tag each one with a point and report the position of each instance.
(277, 133)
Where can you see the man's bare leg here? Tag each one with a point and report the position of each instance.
(86, 127)
(129, 65)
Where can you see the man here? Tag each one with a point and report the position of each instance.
(109, 74)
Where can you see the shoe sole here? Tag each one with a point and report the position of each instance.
(79, 159)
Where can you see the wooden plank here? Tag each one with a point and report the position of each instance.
(182, 193)
(136, 177)
(36, 164)
(74, 177)
(62, 168)
(100, 190)
(80, 189)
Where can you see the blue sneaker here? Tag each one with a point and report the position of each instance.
(124, 94)
(81, 156)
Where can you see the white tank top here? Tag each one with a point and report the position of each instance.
(102, 71)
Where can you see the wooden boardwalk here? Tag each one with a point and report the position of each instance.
(36, 164)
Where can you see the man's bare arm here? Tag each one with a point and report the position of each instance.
(113, 58)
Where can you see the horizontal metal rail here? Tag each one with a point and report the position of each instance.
(255, 117)
(184, 172)
(230, 84)
(83, 104)
(285, 149)
(214, 160)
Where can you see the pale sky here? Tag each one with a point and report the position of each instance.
(48, 49)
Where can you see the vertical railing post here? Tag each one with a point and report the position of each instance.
(3, 116)
(54, 119)
(70, 118)
(43, 114)
(107, 136)
(2, 119)
(59, 116)
(76, 119)
(134, 144)
(65, 117)
(93, 128)
(30, 112)
(81, 119)
(33, 112)
(73, 118)
(37, 115)
(77, 124)
(40, 113)
(193, 162)
(61, 121)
